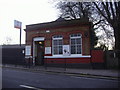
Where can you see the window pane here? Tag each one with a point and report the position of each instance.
(55, 50)
(76, 44)
(78, 40)
(57, 44)
(57, 36)
(78, 49)
(73, 50)
(72, 35)
(72, 41)
(75, 35)
(78, 35)
(60, 42)
(60, 50)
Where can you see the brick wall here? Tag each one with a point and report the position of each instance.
(97, 56)
(65, 31)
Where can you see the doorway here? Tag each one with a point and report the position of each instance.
(39, 49)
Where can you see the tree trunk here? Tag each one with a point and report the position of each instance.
(117, 36)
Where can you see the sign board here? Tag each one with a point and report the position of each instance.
(17, 24)
(47, 50)
(28, 50)
(66, 50)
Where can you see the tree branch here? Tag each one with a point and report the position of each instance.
(113, 12)
(102, 13)
(106, 9)
(97, 22)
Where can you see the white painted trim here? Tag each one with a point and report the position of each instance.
(39, 39)
(34, 46)
(81, 43)
(72, 56)
(57, 38)
(61, 38)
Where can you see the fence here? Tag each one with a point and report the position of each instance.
(99, 59)
(12, 54)
(112, 59)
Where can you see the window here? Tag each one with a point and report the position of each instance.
(76, 44)
(57, 44)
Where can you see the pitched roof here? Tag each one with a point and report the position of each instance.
(57, 23)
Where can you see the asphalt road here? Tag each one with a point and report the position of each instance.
(13, 78)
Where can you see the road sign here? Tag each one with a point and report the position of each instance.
(17, 24)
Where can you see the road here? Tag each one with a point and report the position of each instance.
(13, 78)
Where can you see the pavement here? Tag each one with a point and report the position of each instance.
(94, 73)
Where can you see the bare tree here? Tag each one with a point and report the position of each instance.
(104, 15)
(74, 10)
(110, 11)
(77, 10)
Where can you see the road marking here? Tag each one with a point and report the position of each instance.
(25, 86)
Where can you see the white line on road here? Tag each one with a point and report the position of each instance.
(25, 86)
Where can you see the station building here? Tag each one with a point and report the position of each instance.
(60, 42)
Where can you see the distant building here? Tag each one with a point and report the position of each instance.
(60, 42)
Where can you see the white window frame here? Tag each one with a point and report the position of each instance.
(75, 37)
(56, 38)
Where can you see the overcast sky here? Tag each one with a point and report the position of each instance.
(26, 11)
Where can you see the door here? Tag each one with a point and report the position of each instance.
(40, 53)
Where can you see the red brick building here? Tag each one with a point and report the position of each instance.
(60, 42)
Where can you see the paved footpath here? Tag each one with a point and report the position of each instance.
(97, 73)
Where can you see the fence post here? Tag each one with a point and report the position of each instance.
(91, 59)
(29, 62)
(33, 58)
(65, 64)
(45, 63)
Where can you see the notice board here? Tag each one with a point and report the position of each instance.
(27, 50)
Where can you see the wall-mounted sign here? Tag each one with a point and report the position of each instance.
(66, 50)
(28, 50)
(47, 50)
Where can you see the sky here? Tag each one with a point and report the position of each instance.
(25, 11)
